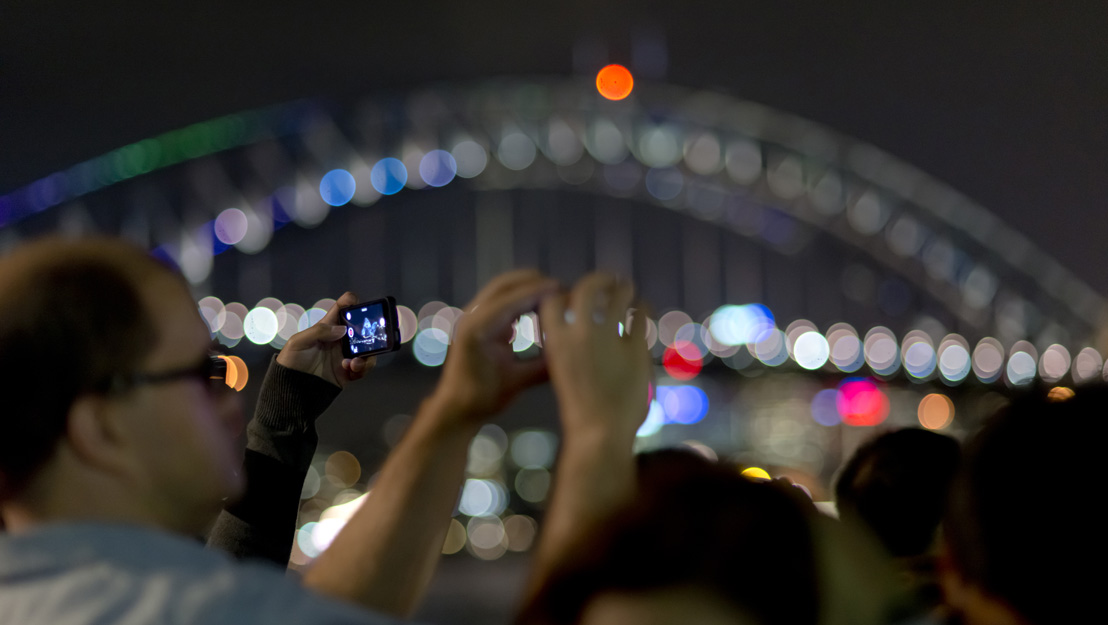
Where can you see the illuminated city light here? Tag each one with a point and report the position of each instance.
(827, 194)
(954, 362)
(343, 469)
(388, 176)
(1054, 363)
(337, 187)
(659, 148)
(1087, 365)
(605, 142)
(310, 318)
(756, 473)
(678, 365)
(861, 402)
(230, 226)
(811, 350)
(664, 184)
(483, 498)
(430, 346)
(703, 154)
(786, 180)
(684, 404)
(534, 449)
(408, 323)
(470, 158)
(1059, 393)
(455, 538)
(309, 208)
(845, 348)
(918, 355)
(485, 456)
(881, 351)
(867, 214)
(988, 360)
(563, 146)
(438, 168)
(521, 531)
(737, 325)
(213, 312)
(614, 82)
(516, 151)
(655, 419)
(487, 539)
(533, 484)
(744, 161)
(825, 407)
(1021, 368)
(772, 350)
(935, 411)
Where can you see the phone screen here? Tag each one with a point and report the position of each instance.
(369, 328)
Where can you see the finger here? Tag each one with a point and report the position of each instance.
(552, 313)
(319, 333)
(590, 296)
(502, 283)
(638, 327)
(622, 295)
(498, 313)
(346, 299)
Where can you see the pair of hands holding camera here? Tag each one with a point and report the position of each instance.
(595, 371)
(385, 556)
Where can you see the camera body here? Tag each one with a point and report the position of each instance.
(371, 328)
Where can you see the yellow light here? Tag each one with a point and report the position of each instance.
(614, 82)
(935, 411)
(756, 473)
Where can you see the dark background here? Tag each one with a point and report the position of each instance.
(1004, 101)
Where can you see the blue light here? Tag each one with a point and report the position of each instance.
(388, 176)
(438, 168)
(825, 407)
(337, 187)
(682, 404)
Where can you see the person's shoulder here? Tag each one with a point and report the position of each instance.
(92, 573)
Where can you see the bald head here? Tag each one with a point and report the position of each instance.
(72, 315)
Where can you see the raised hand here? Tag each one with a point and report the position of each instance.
(600, 377)
(482, 373)
(317, 351)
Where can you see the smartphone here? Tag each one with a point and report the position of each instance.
(371, 328)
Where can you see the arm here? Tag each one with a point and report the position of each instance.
(386, 554)
(281, 439)
(602, 382)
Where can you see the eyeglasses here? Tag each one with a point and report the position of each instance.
(217, 370)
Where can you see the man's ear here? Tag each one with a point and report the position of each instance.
(96, 434)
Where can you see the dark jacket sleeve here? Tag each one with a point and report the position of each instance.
(280, 442)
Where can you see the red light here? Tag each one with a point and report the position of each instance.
(614, 82)
(680, 367)
(861, 403)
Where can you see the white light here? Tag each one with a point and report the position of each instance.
(1021, 368)
(430, 347)
(811, 350)
(260, 326)
(470, 157)
(655, 419)
(230, 226)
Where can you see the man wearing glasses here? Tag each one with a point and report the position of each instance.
(115, 451)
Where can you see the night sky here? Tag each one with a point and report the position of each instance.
(1004, 101)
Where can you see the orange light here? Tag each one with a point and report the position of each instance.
(1059, 393)
(243, 372)
(237, 372)
(614, 82)
(935, 411)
